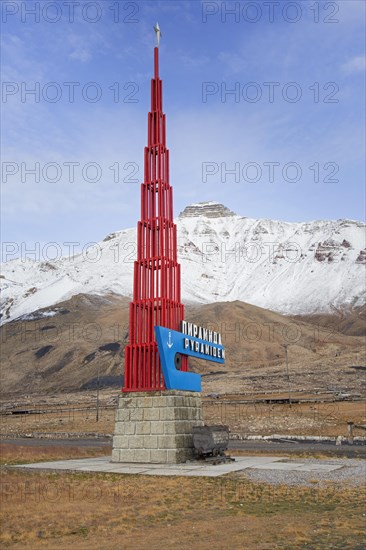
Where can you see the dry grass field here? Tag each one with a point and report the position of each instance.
(76, 414)
(114, 512)
(81, 511)
(52, 365)
(312, 419)
(11, 454)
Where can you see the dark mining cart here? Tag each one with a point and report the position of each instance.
(210, 443)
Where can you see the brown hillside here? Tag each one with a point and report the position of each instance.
(351, 322)
(65, 352)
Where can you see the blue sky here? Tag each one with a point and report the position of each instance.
(320, 56)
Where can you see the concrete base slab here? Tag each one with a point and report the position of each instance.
(194, 468)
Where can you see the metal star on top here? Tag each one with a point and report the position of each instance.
(158, 34)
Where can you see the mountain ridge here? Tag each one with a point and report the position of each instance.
(292, 268)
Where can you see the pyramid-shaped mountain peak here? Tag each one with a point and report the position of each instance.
(210, 209)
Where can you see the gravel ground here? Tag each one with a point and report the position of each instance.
(353, 472)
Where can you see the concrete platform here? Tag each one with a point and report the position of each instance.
(194, 468)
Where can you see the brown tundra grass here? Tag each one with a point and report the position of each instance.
(113, 512)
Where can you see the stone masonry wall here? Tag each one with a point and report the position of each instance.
(156, 427)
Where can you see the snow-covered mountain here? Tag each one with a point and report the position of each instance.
(292, 268)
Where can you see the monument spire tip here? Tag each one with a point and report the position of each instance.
(157, 33)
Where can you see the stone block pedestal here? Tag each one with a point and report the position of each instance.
(156, 427)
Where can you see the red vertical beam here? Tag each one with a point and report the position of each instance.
(156, 63)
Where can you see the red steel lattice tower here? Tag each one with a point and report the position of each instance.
(156, 284)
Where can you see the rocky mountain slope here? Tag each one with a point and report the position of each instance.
(291, 268)
(84, 342)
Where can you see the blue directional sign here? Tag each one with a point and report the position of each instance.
(171, 343)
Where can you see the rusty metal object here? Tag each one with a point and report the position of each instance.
(211, 442)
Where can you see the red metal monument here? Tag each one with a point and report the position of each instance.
(156, 284)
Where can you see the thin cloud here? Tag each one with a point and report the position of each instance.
(82, 55)
(234, 63)
(81, 49)
(354, 65)
(193, 61)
